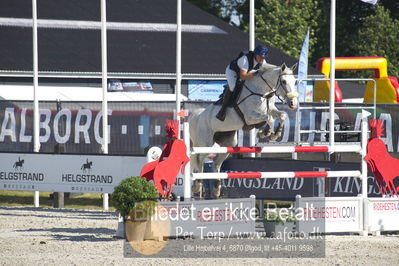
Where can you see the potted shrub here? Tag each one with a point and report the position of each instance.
(135, 199)
(273, 224)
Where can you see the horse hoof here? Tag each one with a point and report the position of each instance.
(264, 134)
(274, 137)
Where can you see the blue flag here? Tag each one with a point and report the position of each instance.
(303, 68)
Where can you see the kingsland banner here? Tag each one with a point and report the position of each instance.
(76, 127)
(289, 188)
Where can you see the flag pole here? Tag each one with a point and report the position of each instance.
(104, 68)
(178, 63)
(252, 132)
(332, 73)
(36, 139)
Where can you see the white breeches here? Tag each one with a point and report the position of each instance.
(231, 77)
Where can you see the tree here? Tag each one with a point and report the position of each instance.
(224, 9)
(284, 24)
(392, 6)
(379, 36)
(242, 12)
(349, 18)
(361, 29)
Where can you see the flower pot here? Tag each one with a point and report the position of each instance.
(273, 228)
(153, 231)
(135, 230)
(157, 227)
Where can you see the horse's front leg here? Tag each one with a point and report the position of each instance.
(281, 116)
(268, 130)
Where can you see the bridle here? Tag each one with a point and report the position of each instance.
(273, 91)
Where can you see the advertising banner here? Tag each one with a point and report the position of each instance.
(382, 214)
(76, 127)
(329, 215)
(205, 90)
(288, 188)
(136, 126)
(66, 173)
(117, 85)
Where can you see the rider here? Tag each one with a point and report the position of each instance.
(240, 69)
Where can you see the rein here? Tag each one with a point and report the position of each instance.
(266, 96)
(269, 95)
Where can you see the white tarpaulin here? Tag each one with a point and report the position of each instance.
(69, 93)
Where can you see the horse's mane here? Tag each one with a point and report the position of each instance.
(268, 67)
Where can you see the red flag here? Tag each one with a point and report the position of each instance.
(182, 113)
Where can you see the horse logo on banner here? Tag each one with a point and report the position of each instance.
(19, 164)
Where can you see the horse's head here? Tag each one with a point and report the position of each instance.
(286, 87)
(281, 82)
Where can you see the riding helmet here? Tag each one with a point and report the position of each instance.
(261, 50)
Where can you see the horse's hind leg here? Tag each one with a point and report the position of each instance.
(227, 139)
(203, 138)
(195, 164)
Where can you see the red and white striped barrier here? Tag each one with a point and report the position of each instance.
(278, 149)
(311, 174)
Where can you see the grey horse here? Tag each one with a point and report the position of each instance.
(256, 103)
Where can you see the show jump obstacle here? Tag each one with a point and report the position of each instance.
(367, 215)
(361, 149)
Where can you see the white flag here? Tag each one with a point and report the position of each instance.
(373, 2)
(303, 69)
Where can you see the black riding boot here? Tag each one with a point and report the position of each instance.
(221, 115)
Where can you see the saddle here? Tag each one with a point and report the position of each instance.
(234, 98)
(233, 103)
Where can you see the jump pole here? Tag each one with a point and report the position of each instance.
(310, 174)
(278, 149)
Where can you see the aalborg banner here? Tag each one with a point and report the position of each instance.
(135, 126)
(76, 128)
(66, 173)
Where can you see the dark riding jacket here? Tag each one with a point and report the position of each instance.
(250, 57)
